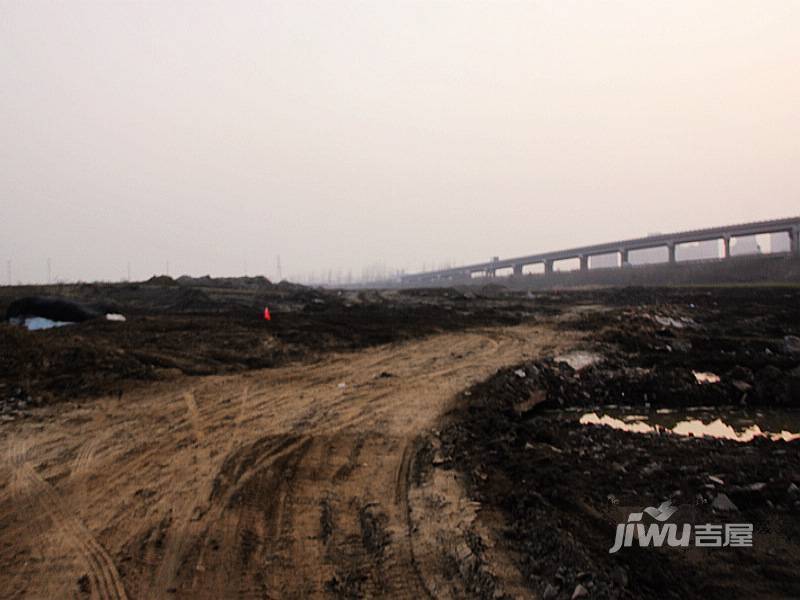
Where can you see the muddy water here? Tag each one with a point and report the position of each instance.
(738, 424)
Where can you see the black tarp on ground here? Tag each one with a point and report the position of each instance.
(55, 309)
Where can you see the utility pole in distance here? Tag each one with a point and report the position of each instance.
(8, 271)
(278, 261)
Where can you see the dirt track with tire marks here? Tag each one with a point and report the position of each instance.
(275, 483)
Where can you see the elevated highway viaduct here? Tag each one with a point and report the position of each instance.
(619, 252)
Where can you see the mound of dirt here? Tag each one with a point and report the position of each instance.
(259, 281)
(161, 280)
(55, 309)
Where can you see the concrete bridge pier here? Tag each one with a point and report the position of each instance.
(624, 257)
(517, 270)
(584, 258)
(548, 266)
(726, 241)
(794, 234)
(671, 252)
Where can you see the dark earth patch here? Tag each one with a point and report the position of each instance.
(562, 487)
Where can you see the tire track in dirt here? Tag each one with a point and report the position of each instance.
(24, 508)
(402, 483)
(370, 554)
(362, 566)
(248, 516)
(105, 579)
(84, 459)
(194, 416)
(292, 487)
(189, 524)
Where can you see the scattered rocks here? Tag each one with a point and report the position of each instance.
(84, 584)
(620, 577)
(16, 403)
(791, 344)
(651, 468)
(679, 323)
(742, 386)
(580, 592)
(755, 487)
(550, 592)
(723, 504)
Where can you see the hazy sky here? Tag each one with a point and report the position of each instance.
(341, 134)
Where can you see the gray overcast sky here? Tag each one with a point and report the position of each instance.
(341, 134)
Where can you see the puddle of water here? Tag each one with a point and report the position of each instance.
(634, 426)
(579, 359)
(628, 418)
(733, 425)
(705, 377)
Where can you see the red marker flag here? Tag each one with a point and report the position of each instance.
(267, 316)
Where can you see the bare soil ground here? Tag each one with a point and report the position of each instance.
(202, 327)
(275, 483)
(556, 489)
(386, 448)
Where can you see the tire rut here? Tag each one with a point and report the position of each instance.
(105, 579)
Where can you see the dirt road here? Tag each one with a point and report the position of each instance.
(289, 482)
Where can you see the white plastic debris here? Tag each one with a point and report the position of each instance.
(579, 359)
